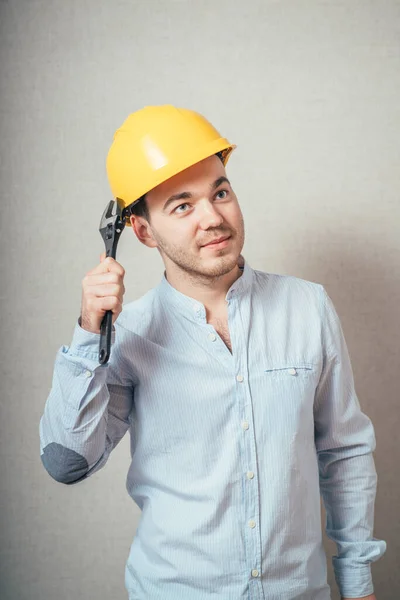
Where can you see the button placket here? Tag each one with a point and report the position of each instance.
(252, 523)
(251, 506)
(247, 441)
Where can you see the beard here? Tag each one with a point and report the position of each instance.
(197, 268)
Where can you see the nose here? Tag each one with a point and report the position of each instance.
(209, 215)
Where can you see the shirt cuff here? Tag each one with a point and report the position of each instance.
(353, 582)
(86, 344)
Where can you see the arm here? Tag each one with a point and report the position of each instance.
(87, 411)
(345, 440)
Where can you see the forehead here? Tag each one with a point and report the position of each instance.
(202, 174)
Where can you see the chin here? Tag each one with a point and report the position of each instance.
(220, 265)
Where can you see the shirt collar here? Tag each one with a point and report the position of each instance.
(194, 309)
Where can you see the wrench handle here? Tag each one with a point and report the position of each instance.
(106, 324)
(105, 338)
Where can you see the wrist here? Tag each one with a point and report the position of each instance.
(84, 324)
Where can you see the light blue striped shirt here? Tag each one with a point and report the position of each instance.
(230, 451)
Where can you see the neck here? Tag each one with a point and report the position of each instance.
(209, 291)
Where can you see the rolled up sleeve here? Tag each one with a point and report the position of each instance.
(87, 411)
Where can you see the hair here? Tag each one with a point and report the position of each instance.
(140, 208)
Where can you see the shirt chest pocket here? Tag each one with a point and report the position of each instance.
(293, 382)
(290, 371)
(288, 391)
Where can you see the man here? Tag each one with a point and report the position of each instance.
(236, 387)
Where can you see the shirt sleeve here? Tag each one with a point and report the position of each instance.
(345, 441)
(88, 408)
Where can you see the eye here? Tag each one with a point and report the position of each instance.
(180, 206)
(225, 192)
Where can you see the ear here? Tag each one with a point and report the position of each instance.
(143, 231)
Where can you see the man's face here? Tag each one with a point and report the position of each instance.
(192, 209)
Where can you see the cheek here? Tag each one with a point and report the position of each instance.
(236, 217)
(180, 234)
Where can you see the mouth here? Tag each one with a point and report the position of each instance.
(220, 242)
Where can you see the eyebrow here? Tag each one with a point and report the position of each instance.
(187, 195)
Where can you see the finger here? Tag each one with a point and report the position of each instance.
(97, 306)
(103, 291)
(101, 279)
(111, 303)
(108, 264)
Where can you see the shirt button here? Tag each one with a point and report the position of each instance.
(252, 523)
(250, 474)
(88, 373)
(245, 425)
(292, 371)
(254, 573)
(212, 337)
(239, 378)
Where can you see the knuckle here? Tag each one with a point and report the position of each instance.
(119, 269)
(105, 303)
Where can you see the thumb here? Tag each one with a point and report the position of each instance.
(102, 256)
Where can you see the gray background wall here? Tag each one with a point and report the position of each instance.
(309, 90)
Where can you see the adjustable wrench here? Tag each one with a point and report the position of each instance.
(111, 226)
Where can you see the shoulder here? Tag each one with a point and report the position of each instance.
(289, 287)
(136, 315)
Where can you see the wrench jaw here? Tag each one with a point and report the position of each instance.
(111, 226)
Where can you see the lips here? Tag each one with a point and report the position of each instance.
(218, 240)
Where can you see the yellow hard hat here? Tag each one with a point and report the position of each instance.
(155, 143)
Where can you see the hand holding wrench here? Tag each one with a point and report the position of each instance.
(111, 226)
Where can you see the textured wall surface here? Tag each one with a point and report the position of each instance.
(309, 91)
